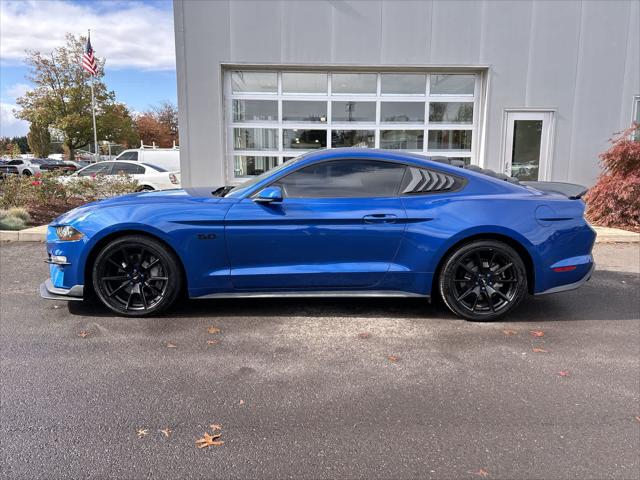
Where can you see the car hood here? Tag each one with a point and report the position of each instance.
(185, 195)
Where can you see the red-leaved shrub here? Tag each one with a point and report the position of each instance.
(614, 201)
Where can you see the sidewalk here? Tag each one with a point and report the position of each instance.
(38, 234)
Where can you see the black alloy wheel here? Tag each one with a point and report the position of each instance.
(483, 280)
(136, 276)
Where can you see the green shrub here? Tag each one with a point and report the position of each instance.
(14, 219)
(45, 194)
(19, 213)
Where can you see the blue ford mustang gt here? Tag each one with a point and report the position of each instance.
(340, 222)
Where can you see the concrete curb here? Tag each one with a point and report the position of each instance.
(39, 234)
(33, 234)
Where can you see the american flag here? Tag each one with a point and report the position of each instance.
(88, 60)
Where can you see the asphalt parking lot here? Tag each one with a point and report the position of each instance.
(370, 388)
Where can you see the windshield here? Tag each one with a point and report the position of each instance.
(240, 189)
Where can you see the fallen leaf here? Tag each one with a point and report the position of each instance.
(84, 333)
(393, 358)
(563, 373)
(241, 402)
(211, 342)
(55, 307)
(166, 432)
(481, 473)
(638, 418)
(364, 335)
(142, 432)
(209, 441)
(213, 330)
(509, 333)
(537, 333)
(538, 350)
(171, 345)
(215, 426)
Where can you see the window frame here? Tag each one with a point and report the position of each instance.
(473, 155)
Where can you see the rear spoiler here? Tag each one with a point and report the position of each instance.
(569, 190)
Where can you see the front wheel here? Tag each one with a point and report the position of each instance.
(483, 280)
(136, 276)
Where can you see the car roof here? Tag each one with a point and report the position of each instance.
(380, 155)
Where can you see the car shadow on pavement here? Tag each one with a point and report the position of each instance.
(608, 296)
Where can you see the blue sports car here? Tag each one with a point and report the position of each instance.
(340, 222)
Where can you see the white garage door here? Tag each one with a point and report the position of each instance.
(271, 116)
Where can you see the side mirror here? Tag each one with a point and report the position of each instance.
(269, 195)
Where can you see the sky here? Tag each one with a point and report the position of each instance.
(135, 36)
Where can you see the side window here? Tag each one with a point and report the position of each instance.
(101, 168)
(344, 179)
(422, 180)
(127, 169)
(15, 162)
(129, 156)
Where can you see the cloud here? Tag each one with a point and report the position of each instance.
(17, 90)
(10, 125)
(127, 34)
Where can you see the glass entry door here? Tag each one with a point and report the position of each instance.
(527, 145)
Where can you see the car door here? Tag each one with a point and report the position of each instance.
(339, 225)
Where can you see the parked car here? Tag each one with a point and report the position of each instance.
(77, 163)
(149, 177)
(340, 222)
(167, 158)
(50, 165)
(23, 166)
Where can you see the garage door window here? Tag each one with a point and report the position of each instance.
(288, 113)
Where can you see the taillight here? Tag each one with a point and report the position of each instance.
(570, 268)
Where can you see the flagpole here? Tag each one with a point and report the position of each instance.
(93, 111)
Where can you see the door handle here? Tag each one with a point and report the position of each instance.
(380, 218)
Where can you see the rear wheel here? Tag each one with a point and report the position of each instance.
(483, 280)
(136, 276)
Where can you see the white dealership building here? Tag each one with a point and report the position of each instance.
(531, 88)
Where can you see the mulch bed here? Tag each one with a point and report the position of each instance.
(43, 214)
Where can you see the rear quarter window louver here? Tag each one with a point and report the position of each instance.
(420, 180)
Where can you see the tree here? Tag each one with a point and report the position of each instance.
(15, 150)
(61, 97)
(167, 114)
(22, 143)
(39, 140)
(8, 148)
(614, 201)
(151, 130)
(117, 125)
(159, 125)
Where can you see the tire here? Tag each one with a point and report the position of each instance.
(136, 276)
(146, 188)
(26, 173)
(483, 280)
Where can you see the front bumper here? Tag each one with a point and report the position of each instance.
(51, 292)
(570, 286)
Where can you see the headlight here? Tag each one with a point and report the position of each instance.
(68, 234)
(174, 179)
